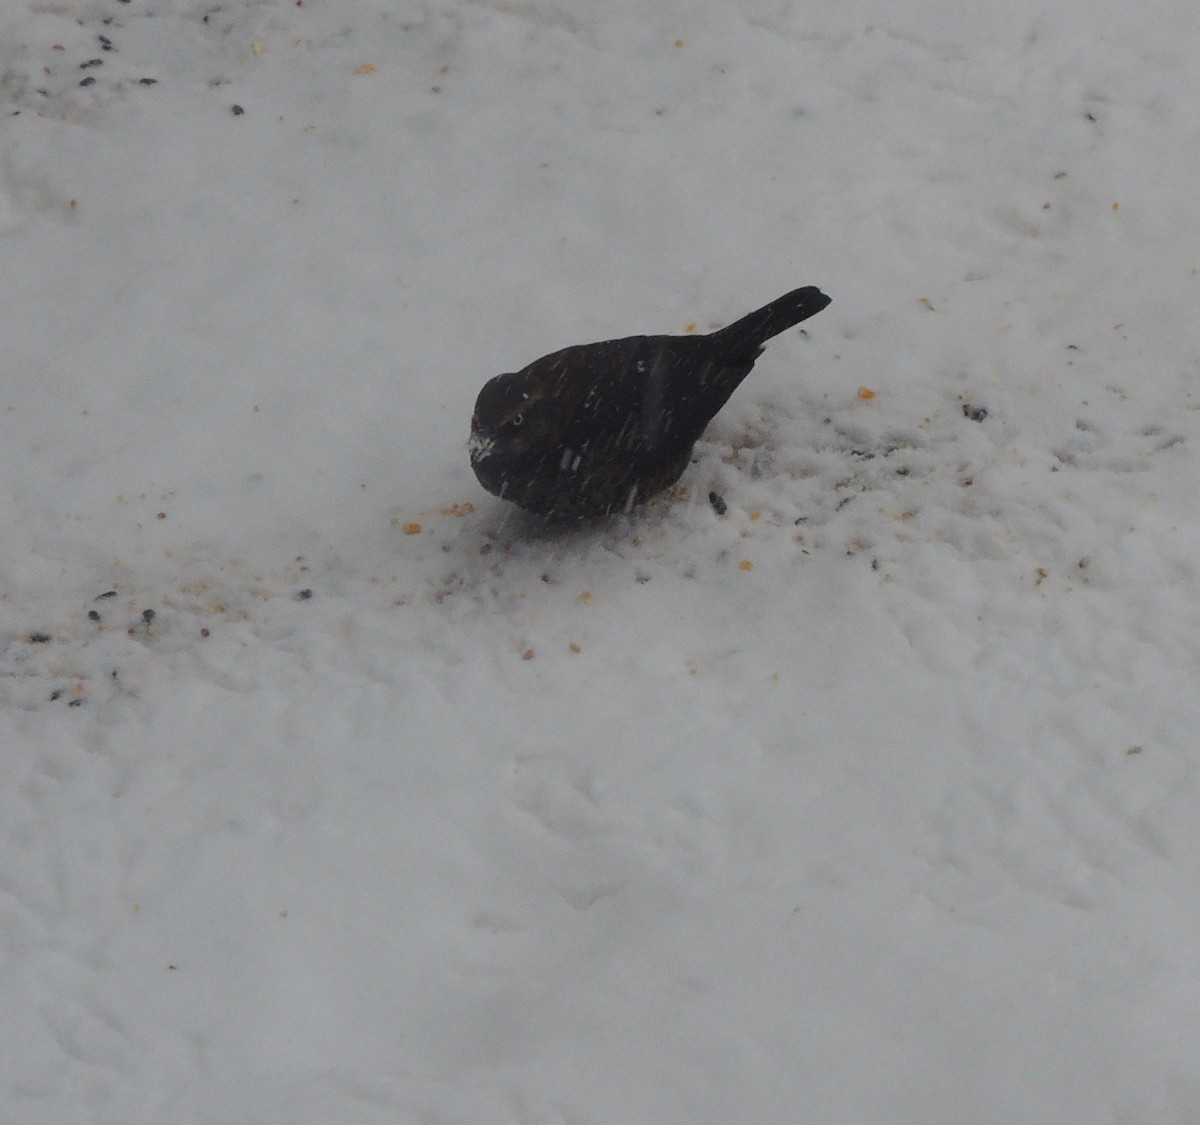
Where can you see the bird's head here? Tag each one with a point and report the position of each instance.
(513, 415)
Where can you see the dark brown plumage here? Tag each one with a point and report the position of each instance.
(597, 428)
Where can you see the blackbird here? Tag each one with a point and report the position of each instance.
(598, 428)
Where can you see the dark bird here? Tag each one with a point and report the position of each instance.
(598, 428)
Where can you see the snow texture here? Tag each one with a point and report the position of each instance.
(335, 790)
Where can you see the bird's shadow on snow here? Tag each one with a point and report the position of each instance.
(503, 531)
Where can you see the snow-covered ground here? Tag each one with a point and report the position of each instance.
(334, 790)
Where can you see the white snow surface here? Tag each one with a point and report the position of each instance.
(873, 799)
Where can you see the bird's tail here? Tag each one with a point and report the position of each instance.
(747, 336)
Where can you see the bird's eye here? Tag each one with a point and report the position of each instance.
(518, 419)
